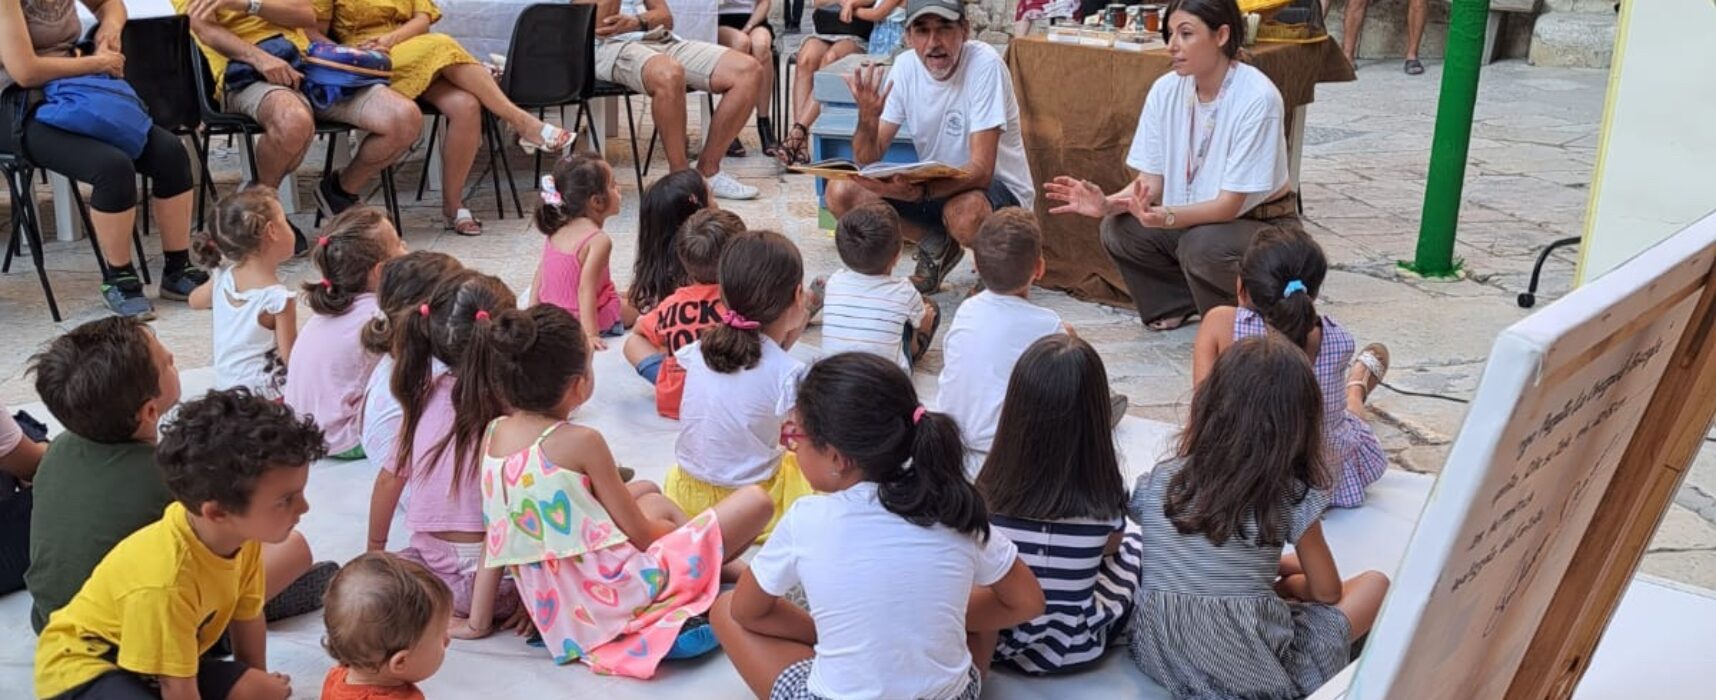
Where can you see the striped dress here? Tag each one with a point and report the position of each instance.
(1348, 436)
(1207, 621)
(1089, 594)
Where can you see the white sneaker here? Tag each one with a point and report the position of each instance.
(725, 187)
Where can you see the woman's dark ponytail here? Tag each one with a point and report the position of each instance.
(1282, 272)
(865, 408)
(760, 274)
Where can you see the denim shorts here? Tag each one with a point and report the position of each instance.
(650, 367)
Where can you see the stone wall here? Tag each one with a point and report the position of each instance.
(991, 20)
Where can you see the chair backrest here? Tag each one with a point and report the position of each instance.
(551, 60)
(204, 84)
(158, 67)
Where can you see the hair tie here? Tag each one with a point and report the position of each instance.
(327, 285)
(918, 414)
(1294, 287)
(737, 320)
(321, 241)
(482, 315)
(423, 310)
(550, 192)
(694, 201)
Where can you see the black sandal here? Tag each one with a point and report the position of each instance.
(795, 150)
(1414, 67)
(1161, 325)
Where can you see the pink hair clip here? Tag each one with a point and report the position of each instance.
(482, 315)
(322, 241)
(737, 320)
(327, 285)
(918, 415)
(423, 310)
(550, 192)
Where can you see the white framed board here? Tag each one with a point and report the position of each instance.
(1588, 413)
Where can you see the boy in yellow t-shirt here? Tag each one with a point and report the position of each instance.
(236, 465)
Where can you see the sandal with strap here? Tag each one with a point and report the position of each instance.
(795, 150)
(553, 139)
(818, 294)
(1170, 323)
(1370, 367)
(465, 224)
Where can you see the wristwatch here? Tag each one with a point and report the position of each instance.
(255, 7)
(1168, 216)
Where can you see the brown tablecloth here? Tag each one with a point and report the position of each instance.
(1079, 107)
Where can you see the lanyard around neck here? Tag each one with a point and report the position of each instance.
(1196, 162)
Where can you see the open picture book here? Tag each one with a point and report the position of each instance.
(840, 169)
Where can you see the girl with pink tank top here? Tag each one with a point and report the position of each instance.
(573, 274)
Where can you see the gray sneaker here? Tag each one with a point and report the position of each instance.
(303, 595)
(936, 257)
(125, 296)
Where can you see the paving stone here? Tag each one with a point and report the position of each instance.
(1695, 567)
(1681, 530)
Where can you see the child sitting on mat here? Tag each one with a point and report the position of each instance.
(613, 572)
(236, 464)
(681, 318)
(896, 556)
(573, 273)
(255, 319)
(386, 627)
(865, 308)
(740, 383)
(437, 448)
(663, 210)
(325, 379)
(1280, 276)
(406, 282)
(1220, 611)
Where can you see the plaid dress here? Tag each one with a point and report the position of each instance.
(1351, 443)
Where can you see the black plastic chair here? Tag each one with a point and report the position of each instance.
(26, 224)
(491, 142)
(158, 66)
(551, 62)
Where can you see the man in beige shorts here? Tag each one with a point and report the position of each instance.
(229, 32)
(636, 47)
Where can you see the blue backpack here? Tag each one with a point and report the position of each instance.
(101, 107)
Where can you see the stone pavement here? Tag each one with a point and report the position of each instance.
(1367, 152)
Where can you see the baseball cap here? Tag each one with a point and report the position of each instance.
(951, 10)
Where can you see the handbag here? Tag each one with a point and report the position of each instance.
(826, 20)
(101, 107)
(333, 72)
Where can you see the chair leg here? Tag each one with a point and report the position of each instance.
(505, 166)
(143, 208)
(205, 188)
(536, 171)
(327, 172)
(23, 201)
(429, 155)
(250, 151)
(89, 230)
(632, 132)
(390, 195)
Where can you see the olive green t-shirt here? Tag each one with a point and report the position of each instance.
(89, 496)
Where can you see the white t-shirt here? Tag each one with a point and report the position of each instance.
(244, 351)
(736, 7)
(1247, 149)
(888, 597)
(730, 424)
(869, 313)
(989, 333)
(940, 116)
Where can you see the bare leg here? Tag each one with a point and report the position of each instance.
(393, 124)
(964, 214)
(664, 81)
(463, 135)
(737, 79)
(657, 507)
(804, 108)
(287, 128)
(742, 517)
(762, 48)
(1415, 12)
(476, 80)
(1361, 599)
(1351, 25)
(283, 563)
(758, 658)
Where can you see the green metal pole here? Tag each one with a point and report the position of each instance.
(1463, 60)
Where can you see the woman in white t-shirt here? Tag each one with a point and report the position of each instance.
(1211, 158)
(895, 556)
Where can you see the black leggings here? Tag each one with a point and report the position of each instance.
(106, 168)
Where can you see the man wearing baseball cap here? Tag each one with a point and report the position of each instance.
(954, 99)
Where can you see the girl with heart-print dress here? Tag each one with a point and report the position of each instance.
(609, 572)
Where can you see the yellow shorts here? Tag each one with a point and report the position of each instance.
(695, 496)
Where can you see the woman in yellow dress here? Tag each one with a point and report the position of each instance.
(435, 68)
